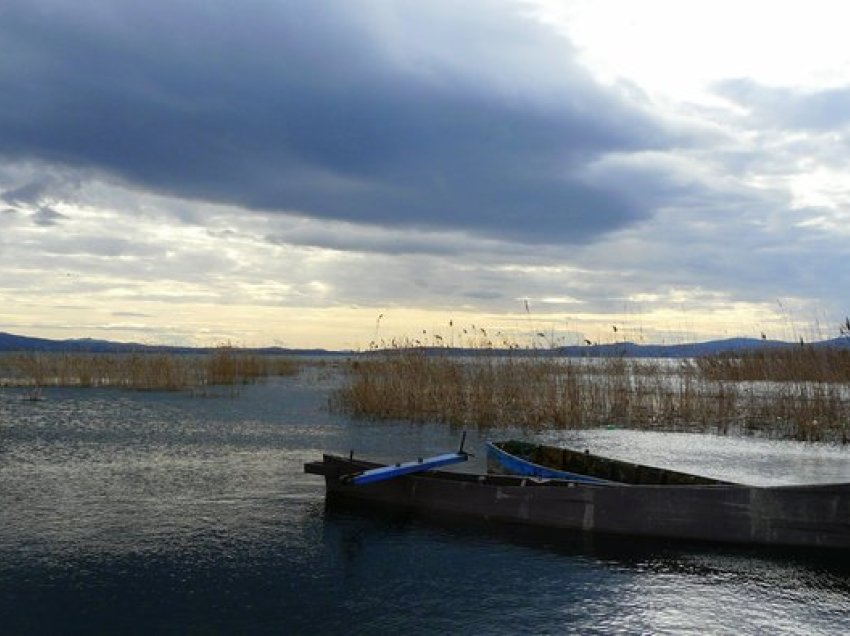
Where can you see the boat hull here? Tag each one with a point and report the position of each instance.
(803, 516)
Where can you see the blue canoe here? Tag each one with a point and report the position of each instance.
(514, 458)
(549, 462)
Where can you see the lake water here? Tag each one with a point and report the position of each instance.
(129, 512)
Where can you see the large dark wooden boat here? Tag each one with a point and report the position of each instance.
(705, 510)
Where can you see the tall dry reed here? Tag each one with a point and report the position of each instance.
(545, 391)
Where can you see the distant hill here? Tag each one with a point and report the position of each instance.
(689, 350)
(632, 350)
(11, 342)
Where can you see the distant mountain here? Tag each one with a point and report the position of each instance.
(11, 342)
(632, 350)
(689, 350)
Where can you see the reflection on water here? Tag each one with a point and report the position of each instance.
(513, 580)
(136, 512)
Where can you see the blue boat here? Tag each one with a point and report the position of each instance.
(548, 462)
(513, 458)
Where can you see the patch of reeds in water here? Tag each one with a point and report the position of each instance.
(551, 392)
(798, 363)
(145, 371)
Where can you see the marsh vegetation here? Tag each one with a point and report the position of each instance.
(145, 371)
(795, 392)
(799, 392)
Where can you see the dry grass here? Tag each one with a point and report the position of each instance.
(145, 371)
(541, 391)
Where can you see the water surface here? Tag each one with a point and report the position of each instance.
(130, 512)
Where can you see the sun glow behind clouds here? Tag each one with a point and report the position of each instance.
(677, 49)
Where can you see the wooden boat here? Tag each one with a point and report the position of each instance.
(803, 516)
(535, 460)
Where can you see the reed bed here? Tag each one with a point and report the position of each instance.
(798, 363)
(535, 392)
(144, 371)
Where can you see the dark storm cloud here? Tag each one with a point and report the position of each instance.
(33, 192)
(784, 107)
(26, 195)
(432, 115)
(46, 217)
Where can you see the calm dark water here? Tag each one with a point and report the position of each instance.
(125, 512)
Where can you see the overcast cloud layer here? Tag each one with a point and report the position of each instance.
(288, 171)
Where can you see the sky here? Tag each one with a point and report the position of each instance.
(328, 173)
